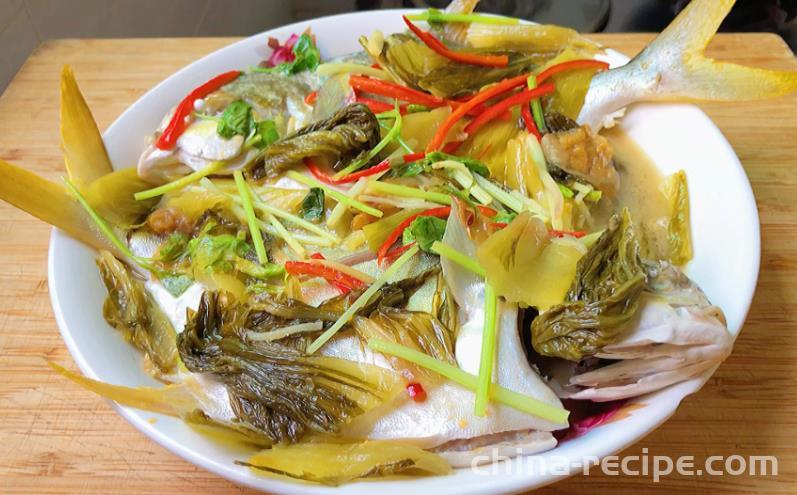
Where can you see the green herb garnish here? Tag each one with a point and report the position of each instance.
(313, 204)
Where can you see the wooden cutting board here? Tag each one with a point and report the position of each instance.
(57, 438)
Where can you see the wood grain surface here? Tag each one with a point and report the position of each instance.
(57, 438)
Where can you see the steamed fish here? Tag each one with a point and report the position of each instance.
(342, 265)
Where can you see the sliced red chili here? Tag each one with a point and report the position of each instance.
(414, 157)
(440, 212)
(354, 177)
(416, 392)
(519, 98)
(528, 119)
(571, 65)
(487, 211)
(178, 124)
(443, 129)
(327, 273)
(393, 90)
(396, 252)
(561, 233)
(311, 98)
(464, 57)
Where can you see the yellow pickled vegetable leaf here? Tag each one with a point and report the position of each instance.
(540, 38)
(335, 464)
(171, 400)
(112, 196)
(84, 152)
(679, 236)
(570, 86)
(50, 203)
(525, 266)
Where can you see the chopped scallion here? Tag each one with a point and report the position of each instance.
(461, 259)
(251, 218)
(487, 352)
(435, 15)
(409, 192)
(536, 106)
(363, 299)
(179, 183)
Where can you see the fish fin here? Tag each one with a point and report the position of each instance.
(85, 156)
(674, 68)
(51, 203)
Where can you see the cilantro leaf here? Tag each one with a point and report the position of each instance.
(265, 133)
(236, 120)
(313, 204)
(425, 231)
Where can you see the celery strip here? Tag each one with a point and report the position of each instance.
(434, 15)
(334, 194)
(409, 192)
(106, 229)
(179, 183)
(340, 208)
(363, 299)
(399, 140)
(566, 191)
(510, 398)
(536, 106)
(389, 137)
(286, 236)
(499, 194)
(461, 259)
(295, 219)
(488, 351)
(251, 218)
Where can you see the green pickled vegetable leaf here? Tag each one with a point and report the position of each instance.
(341, 138)
(235, 120)
(417, 330)
(678, 233)
(337, 463)
(130, 309)
(217, 252)
(313, 205)
(425, 231)
(605, 294)
(176, 284)
(418, 66)
(275, 390)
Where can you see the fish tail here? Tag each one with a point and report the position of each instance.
(674, 68)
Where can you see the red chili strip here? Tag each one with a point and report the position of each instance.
(395, 253)
(442, 130)
(451, 147)
(329, 274)
(374, 105)
(516, 99)
(528, 119)
(394, 236)
(561, 233)
(185, 108)
(353, 177)
(393, 90)
(571, 65)
(487, 211)
(413, 157)
(464, 57)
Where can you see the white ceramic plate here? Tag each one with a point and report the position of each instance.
(726, 243)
